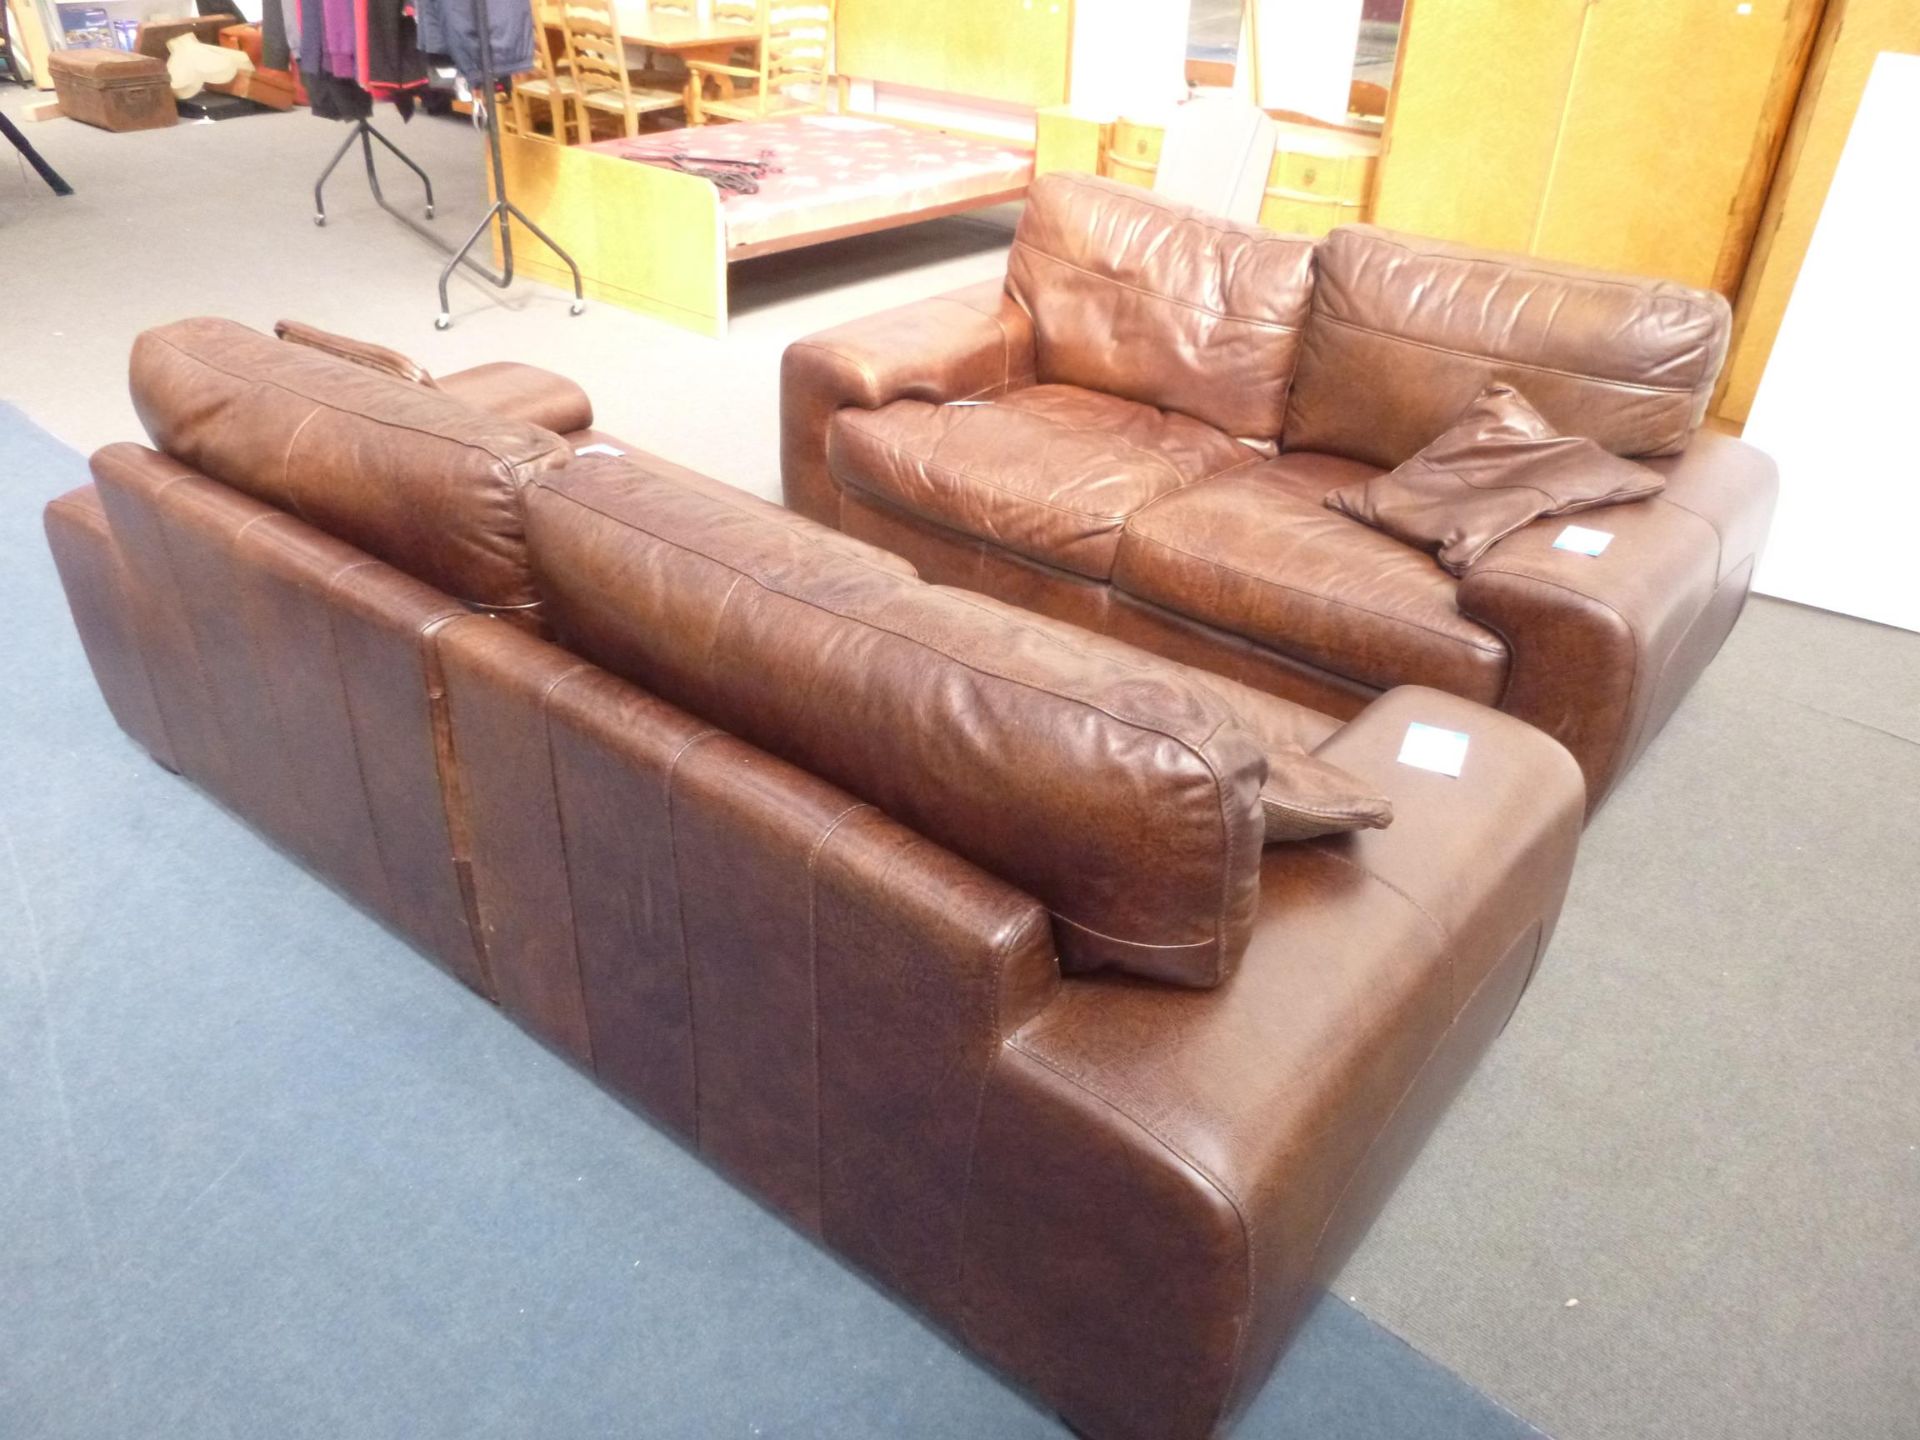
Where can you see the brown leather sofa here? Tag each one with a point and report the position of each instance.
(868, 890)
(1136, 430)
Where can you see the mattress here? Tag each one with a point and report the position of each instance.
(838, 173)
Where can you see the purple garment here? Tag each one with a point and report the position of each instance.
(343, 38)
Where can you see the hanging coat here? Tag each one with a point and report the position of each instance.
(391, 62)
(452, 28)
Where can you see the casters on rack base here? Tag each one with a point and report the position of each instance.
(442, 322)
(320, 220)
(429, 212)
(579, 307)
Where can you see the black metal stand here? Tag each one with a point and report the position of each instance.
(364, 132)
(60, 187)
(503, 210)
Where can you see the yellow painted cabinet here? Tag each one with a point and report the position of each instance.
(1632, 135)
(1319, 177)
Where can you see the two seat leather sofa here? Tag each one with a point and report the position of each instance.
(947, 930)
(1136, 430)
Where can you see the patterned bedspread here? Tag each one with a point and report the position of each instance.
(832, 171)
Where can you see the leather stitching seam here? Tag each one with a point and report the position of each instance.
(1220, 1187)
(353, 727)
(813, 986)
(1310, 595)
(512, 465)
(900, 452)
(1511, 268)
(1320, 1238)
(680, 916)
(1278, 327)
(976, 666)
(1001, 961)
(1633, 635)
(1322, 317)
(566, 861)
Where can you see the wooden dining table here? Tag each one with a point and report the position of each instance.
(687, 36)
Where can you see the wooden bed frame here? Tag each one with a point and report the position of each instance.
(650, 238)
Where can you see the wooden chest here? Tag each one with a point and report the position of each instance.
(113, 89)
(279, 88)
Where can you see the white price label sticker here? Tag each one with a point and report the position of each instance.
(1583, 541)
(1428, 747)
(599, 450)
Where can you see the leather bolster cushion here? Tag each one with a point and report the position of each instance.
(504, 387)
(523, 392)
(1158, 302)
(407, 473)
(1125, 800)
(360, 352)
(1406, 331)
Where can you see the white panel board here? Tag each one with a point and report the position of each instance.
(1839, 404)
(1306, 50)
(1129, 56)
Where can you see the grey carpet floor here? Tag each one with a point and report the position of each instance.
(217, 219)
(1701, 1125)
(1704, 1122)
(265, 1172)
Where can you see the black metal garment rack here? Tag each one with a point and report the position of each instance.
(364, 132)
(502, 209)
(60, 187)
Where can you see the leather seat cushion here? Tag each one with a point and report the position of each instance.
(1257, 553)
(1095, 778)
(1051, 472)
(407, 473)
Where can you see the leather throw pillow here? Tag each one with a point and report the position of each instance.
(1496, 469)
(357, 352)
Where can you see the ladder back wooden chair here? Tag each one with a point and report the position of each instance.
(551, 82)
(795, 54)
(597, 57)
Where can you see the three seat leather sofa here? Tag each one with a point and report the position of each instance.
(1136, 432)
(958, 935)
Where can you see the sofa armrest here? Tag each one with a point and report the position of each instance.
(966, 345)
(523, 392)
(1605, 646)
(1163, 1177)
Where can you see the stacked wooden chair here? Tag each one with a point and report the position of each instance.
(603, 83)
(790, 73)
(551, 85)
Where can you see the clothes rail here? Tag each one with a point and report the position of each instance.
(502, 210)
(364, 132)
(47, 173)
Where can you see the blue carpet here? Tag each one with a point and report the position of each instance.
(264, 1172)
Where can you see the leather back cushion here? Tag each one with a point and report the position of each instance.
(1161, 303)
(404, 472)
(1122, 799)
(1407, 331)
